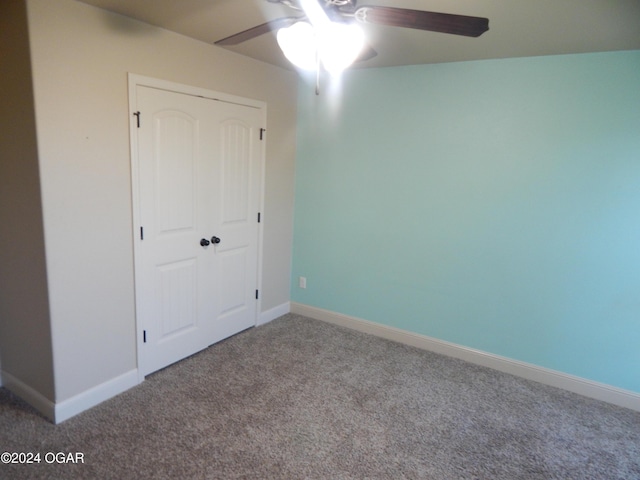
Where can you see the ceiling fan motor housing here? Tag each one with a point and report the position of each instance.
(296, 3)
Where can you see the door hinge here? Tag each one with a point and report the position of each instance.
(262, 130)
(257, 295)
(144, 336)
(137, 115)
(141, 233)
(258, 217)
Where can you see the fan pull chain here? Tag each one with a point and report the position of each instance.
(317, 74)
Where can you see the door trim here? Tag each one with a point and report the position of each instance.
(134, 81)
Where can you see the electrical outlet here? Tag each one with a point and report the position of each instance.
(302, 282)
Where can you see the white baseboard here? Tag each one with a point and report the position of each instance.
(273, 313)
(59, 412)
(581, 386)
(92, 397)
(34, 398)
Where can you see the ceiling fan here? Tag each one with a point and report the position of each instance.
(348, 11)
(326, 31)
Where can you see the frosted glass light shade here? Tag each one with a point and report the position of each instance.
(299, 44)
(337, 44)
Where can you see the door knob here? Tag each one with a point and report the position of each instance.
(215, 240)
(204, 242)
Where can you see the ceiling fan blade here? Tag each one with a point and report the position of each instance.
(257, 31)
(422, 20)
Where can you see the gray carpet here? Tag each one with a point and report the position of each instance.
(299, 398)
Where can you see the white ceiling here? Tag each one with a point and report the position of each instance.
(517, 28)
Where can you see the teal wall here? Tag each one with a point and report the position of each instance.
(493, 204)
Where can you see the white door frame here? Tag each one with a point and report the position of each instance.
(136, 80)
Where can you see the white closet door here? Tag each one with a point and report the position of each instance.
(199, 182)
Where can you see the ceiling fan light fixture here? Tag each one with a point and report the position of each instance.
(299, 44)
(337, 45)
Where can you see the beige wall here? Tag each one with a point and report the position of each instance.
(81, 57)
(25, 337)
